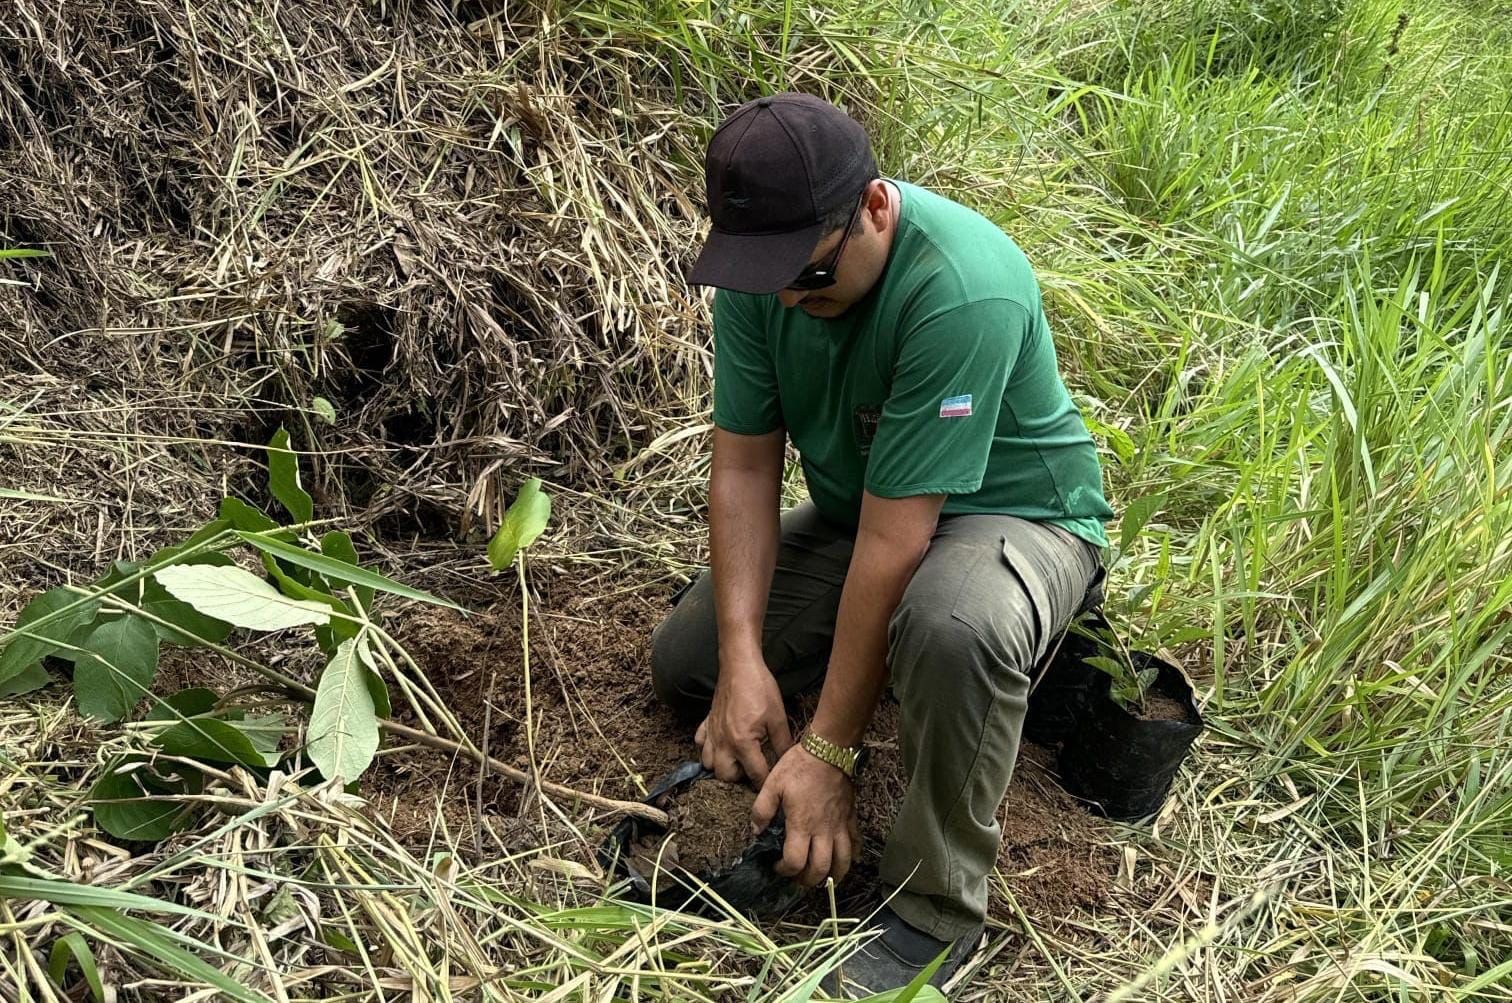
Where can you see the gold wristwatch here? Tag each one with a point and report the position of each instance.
(847, 760)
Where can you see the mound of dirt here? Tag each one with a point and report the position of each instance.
(598, 728)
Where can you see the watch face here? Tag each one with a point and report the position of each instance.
(861, 758)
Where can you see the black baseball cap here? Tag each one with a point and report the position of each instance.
(774, 169)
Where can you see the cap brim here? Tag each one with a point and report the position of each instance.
(754, 263)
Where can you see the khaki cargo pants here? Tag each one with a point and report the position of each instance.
(991, 595)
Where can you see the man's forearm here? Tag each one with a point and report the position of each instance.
(881, 567)
(743, 536)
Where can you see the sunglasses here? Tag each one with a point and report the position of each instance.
(821, 275)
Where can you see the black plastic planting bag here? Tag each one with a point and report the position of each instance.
(1060, 693)
(1123, 765)
(749, 885)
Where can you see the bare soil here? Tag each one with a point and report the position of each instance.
(1159, 707)
(598, 728)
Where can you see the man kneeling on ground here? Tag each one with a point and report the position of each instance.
(955, 523)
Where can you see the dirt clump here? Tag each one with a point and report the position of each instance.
(712, 820)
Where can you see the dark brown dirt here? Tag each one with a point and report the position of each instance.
(1159, 707)
(712, 820)
(599, 728)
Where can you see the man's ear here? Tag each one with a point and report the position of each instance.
(877, 203)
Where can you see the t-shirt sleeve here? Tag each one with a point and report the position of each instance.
(940, 416)
(745, 382)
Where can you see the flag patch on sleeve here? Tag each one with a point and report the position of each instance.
(956, 407)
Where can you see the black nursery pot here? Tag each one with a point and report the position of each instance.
(1060, 695)
(749, 885)
(1123, 765)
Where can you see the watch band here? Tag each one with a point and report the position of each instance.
(838, 756)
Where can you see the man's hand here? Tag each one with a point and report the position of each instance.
(819, 805)
(747, 711)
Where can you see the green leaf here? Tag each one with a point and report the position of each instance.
(19, 495)
(339, 570)
(23, 252)
(525, 520)
(242, 516)
(28, 645)
(334, 938)
(159, 943)
(265, 732)
(324, 408)
(343, 732)
(212, 740)
(69, 893)
(73, 947)
(238, 597)
(375, 684)
(283, 478)
(115, 669)
(33, 677)
(1136, 515)
(918, 988)
(339, 545)
(123, 809)
(1111, 666)
(188, 627)
(186, 703)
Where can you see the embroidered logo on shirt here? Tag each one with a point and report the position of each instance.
(956, 407)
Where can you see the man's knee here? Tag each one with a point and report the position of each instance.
(684, 658)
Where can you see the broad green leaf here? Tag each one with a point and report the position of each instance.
(238, 597)
(33, 677)
(28, 644)
(242, 516)
(186, 703)
(163, 947)
(213, 740)
(324, 408)
(123, 809)
(525, 520)
(378, 690)
(119, 571)
(265, 732)
(343, 732)
(73, 947)
(115, 669)
(328, 635)
(1136, 516)
(376, 686)
(187, 627)
(339, 545)
(339, 571)
(283, 478)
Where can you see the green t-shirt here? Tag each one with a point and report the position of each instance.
(942, 380)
